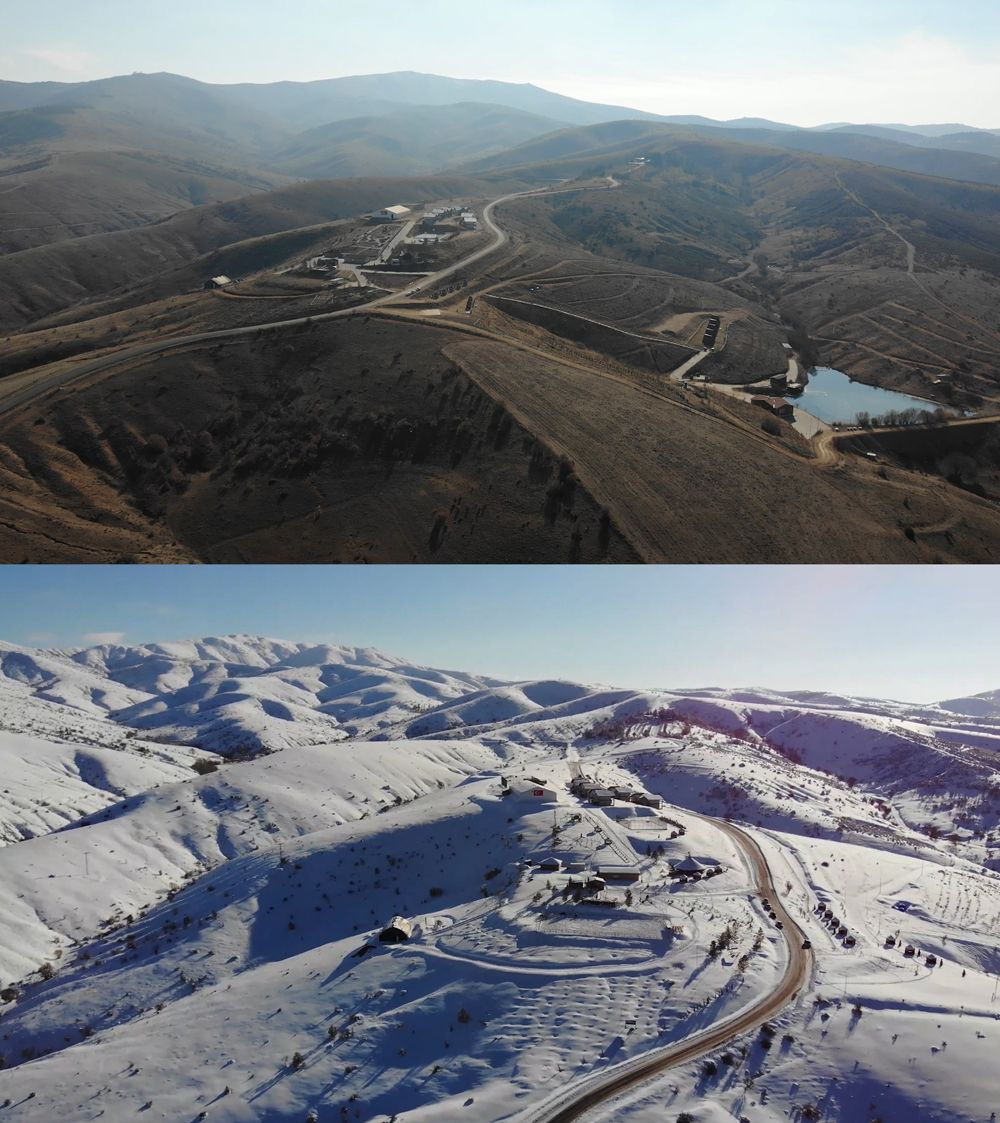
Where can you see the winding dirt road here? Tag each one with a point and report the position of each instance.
(575, 1101)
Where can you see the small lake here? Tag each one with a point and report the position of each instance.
(833, 397)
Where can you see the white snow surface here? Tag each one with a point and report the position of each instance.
(198, 934)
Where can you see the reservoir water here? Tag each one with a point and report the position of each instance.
(833, 397)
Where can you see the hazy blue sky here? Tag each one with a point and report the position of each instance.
(804, 61)
(919, 634)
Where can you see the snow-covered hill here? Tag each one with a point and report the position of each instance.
(238, 694)
(54, 678)
(183, 944)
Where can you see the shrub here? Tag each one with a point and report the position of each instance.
(298, 1061)
(46, 970)
(203, 766)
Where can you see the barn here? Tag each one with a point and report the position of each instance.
(394, 214)
(217, 283)
(397, 931)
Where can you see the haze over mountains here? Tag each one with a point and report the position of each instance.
(118, 152)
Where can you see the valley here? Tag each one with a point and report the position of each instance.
(630, 310)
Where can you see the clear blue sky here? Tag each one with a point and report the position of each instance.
(919, 634)
(913, 61)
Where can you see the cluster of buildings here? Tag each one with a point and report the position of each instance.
(600, 796)
(467, 219)
(588, 886)
(432, 218)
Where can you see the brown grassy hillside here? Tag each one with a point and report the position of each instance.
(353, 442)
(60, 197)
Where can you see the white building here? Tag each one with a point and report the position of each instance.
(395, 214)
(531, 787)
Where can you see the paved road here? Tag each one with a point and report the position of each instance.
(576, 1100)
(175, 343)
(98, 366)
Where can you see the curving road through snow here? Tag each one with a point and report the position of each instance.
(574, 1102)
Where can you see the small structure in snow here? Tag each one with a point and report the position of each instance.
(619, 873)
(624, 793)
(398, 931)
(590, 883)
(691, 867)
(602, 902)
(532, 787)
(550, 865)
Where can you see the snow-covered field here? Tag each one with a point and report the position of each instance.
(179, 944)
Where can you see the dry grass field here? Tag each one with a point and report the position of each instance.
(685, 486)
(351, 442)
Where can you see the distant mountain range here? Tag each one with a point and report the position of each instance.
(249, 693)
(124, 151)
